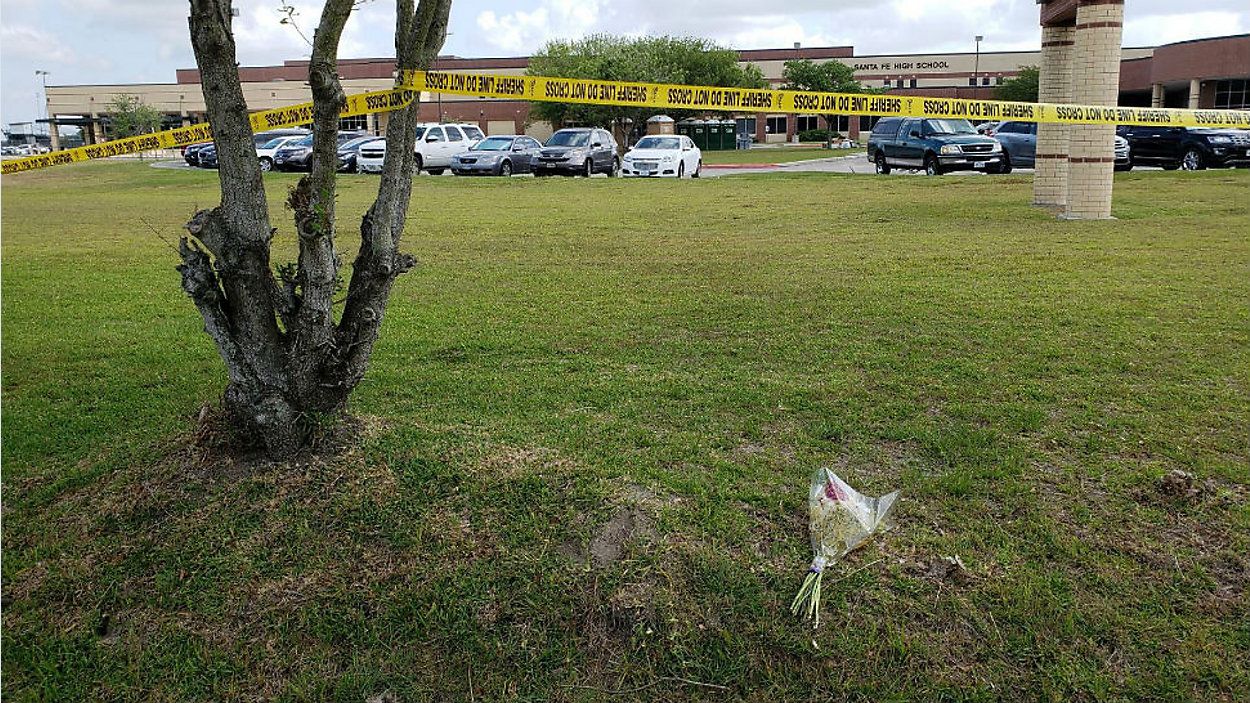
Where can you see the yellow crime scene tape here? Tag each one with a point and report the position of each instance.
(710, 98)
(359, 104)
(660, 96)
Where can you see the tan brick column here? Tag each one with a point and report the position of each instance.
(1050, 181)
(54, 135)
(1156, 95)
(1195, 93)
(1096, 81)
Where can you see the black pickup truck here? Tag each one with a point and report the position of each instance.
(936, 145)
(1189, 148)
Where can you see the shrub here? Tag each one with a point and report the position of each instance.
(817, 135)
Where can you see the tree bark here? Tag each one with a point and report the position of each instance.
(234, 290)
(286, 359)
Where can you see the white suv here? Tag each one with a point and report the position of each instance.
(436, 144)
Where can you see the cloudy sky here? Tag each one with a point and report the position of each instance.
(143, 41)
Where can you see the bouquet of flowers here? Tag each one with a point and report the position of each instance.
(840, 520)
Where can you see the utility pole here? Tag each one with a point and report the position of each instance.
(976, 66)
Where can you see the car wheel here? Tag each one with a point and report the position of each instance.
(417, 163)
(698, 169)
(681, 170)
(616, 168)
(1193, 161)
(883, 168)
(589, 169)
(505, 169)
(266, 164)
(1004, 167)
(931, 167)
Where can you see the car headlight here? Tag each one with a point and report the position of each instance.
(950, 149)
(628, 157)
(998, 146)
(667, 159)
(1220, 139)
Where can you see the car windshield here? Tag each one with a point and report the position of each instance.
(569, 139)
(306, 141)
(494, 144)
(274, 143)
(353, 144)
(658, 143)
(948, 127)
(420, 132)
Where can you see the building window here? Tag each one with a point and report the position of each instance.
(359, 123)
(1232, 95)
(885, 83)
(807, 123)
(972, 80)
(898, 83)
(842, 124)
(746, 125)
(998, 80)
(913, 83)
(775, 125)
(867, 122)
(985, 81)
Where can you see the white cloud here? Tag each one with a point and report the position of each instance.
(32, 44)
(1166, 28)
(521, 31)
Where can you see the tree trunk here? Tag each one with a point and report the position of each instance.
(287, 361)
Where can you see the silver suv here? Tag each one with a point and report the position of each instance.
(578, 152)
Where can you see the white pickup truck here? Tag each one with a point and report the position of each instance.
(436, 144)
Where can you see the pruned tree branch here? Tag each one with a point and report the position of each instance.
(419, 36)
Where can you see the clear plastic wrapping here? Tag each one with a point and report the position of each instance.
(840, 519)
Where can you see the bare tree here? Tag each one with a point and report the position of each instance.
(290, 362)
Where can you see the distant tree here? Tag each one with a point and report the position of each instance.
(1022, 88)
(827, 77)
(685, 60)
(130, 116)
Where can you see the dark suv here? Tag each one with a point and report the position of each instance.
(1190, 148)
(936, 145)
(578, 152)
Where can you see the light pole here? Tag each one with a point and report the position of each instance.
(43, 75)
(440, 95)
(976, 66)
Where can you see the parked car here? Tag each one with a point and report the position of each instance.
(261, 138)
(191, 153)
(936, 145)
(1019, 140)
(1189, 148)
(348, 150)
(296, 155)
(498, 156)
(293, 156)
(657, 155)
(207, 157)
(436, 144)
(578, 152)
(269, 149)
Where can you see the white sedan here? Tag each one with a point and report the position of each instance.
(663, 156)
(266, 151)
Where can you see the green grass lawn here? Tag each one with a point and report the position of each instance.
(589, 428)
(774, 155)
